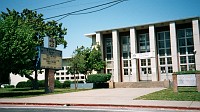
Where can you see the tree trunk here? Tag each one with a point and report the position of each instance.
(35, 85)
(32, 80)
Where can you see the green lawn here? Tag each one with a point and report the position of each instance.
(184, 94)
(26, 92)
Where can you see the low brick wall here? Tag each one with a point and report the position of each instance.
(149, 84)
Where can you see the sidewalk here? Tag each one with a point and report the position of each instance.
(104, 97)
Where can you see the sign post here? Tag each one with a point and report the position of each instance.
(50, 59)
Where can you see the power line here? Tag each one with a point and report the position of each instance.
(74, 12)
(53, 5)
(90, 11)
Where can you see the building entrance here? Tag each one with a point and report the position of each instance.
(145, 69)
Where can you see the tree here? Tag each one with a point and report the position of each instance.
(95, 60)
(20, 33)
(86, 60)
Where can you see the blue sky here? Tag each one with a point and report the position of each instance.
(128, 13)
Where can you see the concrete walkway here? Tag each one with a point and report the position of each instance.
(104, 97)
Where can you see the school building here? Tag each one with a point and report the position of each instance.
(150, 52)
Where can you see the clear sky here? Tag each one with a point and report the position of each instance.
(128, 13)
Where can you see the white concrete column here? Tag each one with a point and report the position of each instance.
(196, 38)
(133, 43)
(174, 47)
(99, 41)
(153, 48)
(116, 56)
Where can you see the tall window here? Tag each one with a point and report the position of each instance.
(126, 55)
(186, 49)
(164, 53)
(109, 55)
(144, 43)
(108, 43)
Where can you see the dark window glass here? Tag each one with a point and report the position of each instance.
(108, 49)
(149, 62)
(167, 35)
(149, 70)
(170, 69)
(180, 33)
(161, 44)
(183, 50)
(167, 42)
(182, 42)
(125, 63)
(192, 67)
(189, 32)
(144, 70)
(109, 56)
(125, 71)
(160, 36)
(191, 59)
(183, 59)
(190, 50)
(125, 55)
(162, 70)
(190, 41)
(169, 60)
(168, 52)
(143, 62)
(183, 67)
(162, 61)
(162, 52)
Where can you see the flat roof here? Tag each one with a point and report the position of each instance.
(142, 25)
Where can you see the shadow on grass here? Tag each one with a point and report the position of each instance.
(21, 94)
(21, 89)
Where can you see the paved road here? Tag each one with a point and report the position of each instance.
(82, 109)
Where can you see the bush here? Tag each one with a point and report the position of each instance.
(23, 84)
(98, 78)
(41, 83)
(9, 86)
(58, 84)
(67, 83)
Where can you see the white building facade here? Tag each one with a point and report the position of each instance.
(150, 52)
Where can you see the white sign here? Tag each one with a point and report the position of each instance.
(186, 80)
(145, 55)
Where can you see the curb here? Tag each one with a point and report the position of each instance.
(99, 105)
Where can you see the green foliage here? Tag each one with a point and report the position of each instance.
(67, 83)
(98, 78)
(187, 72)
(9, 86)
(20, 33)
(41, 83)
(85, 60)
(23, 84)
(58, 84)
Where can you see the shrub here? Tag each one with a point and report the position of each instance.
(57, 84)
(67, 83)
(9, 86)
(22, 84)
(41, 83)
(98, 78)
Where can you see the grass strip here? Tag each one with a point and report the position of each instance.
(183, 94)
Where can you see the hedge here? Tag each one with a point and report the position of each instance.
(98, 78)
(23, 84)
(67, 83)
(41, 83)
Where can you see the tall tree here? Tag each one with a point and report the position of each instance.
(20, 33)
(85, 60)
